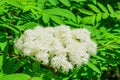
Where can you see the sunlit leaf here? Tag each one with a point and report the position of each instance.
(78, 19)
(45, 17)
(29, 25)
(1, 61)
(65, 2)
(93, 20)
(18, 76)
(105, 15)
(102, 7)
(94, 8)
(99, 17)
(111, 10)
(3, 45)
(53, 2)
(87, 12)
(62, 12)
(88, 20)
(57, 19)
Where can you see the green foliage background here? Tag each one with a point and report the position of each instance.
(101, 17)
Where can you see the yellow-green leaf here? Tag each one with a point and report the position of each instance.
(88, 20)
(45, 17)
(18, 76)
(105, 15)
(102, 7)
(94, 8)
(53, 2)
(98, 17)
(65, 2)
(87, 12)
(1, 61)
(57, 19)
(111, 10)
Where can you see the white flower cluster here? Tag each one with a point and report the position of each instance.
(60, 47)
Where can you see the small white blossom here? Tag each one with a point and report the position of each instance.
(57, 48)
(63, 33)
(91, 47)
(19, 44)
(78, 57)
(81, 34)
(50, 30)
(43, 57)
(60, 62)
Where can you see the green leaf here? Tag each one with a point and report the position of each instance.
(98, 17)
(17, 76)
(36, 67)
(94, 8)
(2, 37)
(66, 78)
(113, 47)
(29, 25)
(14, 3)
(12, 65)
(117, 14)
(18, 65)
(71, 23)
(2, 2)
(93, 20)
(45, 17)
(111, 10)
(8, 66)
(94, 1)
(87, 12)
(93, 67)
(65, 2)
(62, 12)
(36, 16)
(78, 1)
(98, 57)
(26, 8)
(2, 8)
(1, 61)
(38, 78)
(53, 2)
(105, 15)
(10, 27)
(103, 29)
(102, 7)
(1, 75)
(78, 19)
(88, 20)
(3, 45)
(57, 19)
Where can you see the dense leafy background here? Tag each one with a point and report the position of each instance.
(101, 17)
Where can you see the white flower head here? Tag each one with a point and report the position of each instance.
(59, 47)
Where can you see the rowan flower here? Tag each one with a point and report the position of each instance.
(60, 62)
(61, 47)
(43, 57)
